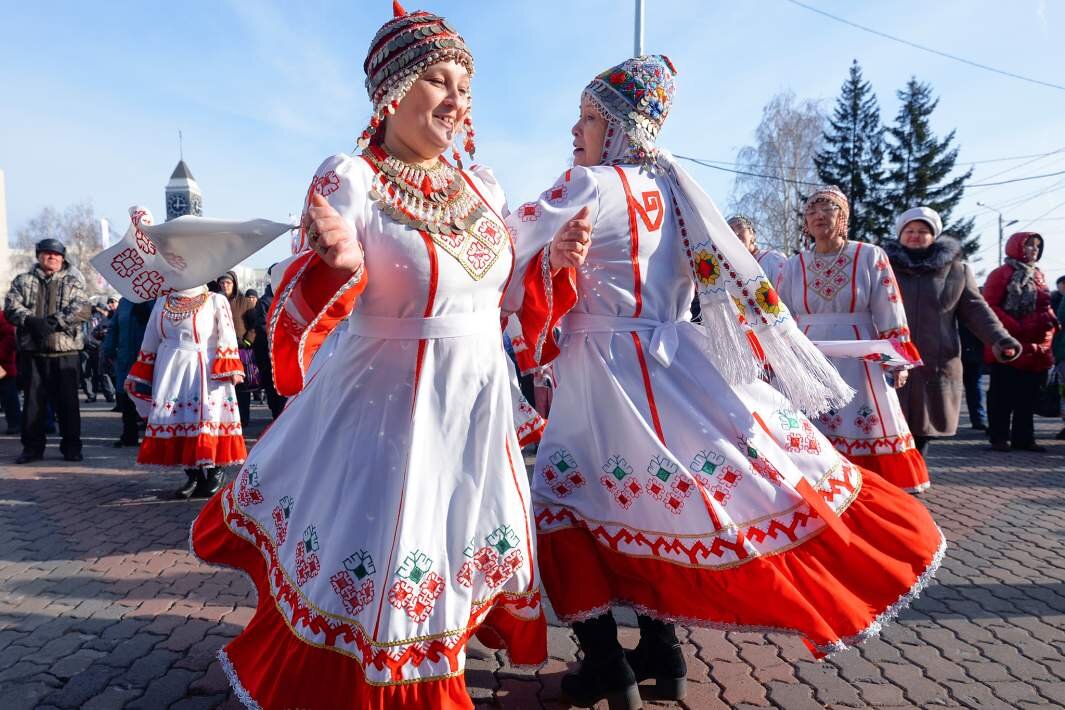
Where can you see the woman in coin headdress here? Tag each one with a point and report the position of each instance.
(384, 516)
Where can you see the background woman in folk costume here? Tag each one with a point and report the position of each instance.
(384, 516)
(844, 290)
(669, 477)
(182, 381)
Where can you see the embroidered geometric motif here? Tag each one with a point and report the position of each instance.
(562, 474)
(248, 492)
(326, 184)
(281, 514)
(356, 592)
(417, 589)
(497, 561)
(555, 194)
(759, 463)
(830, 274)
(866, 420)
(831, 420)
(661, 470)
(623, 491)
(529, 212)
(503, 539)
(307, 565)
(127, 262)
(799, 436)
(148, 284)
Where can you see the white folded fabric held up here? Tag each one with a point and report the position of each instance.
(152, 260)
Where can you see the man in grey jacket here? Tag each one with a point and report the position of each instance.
(48, 305)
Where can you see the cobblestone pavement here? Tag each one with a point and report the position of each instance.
(101, 605)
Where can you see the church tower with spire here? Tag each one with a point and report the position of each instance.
(183, 195)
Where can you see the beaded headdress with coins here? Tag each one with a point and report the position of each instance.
(402, 49)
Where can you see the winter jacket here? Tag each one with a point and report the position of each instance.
(1034, 330)
(59, 300)
(124, 337)
(938, 290)
(8, 347)
(1059, 339)
(241, 310)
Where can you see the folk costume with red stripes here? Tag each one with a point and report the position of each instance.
(670, 478)
(852, 295)
(384, 517)
(182, 382)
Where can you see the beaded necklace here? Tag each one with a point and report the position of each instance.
(435, 200)
(178, 308)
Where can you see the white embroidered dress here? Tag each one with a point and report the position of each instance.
(187, 358)
(389, 500)
(659, 486)
(853, 295)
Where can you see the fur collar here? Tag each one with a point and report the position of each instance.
(942, 252)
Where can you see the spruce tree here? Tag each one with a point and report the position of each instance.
(919, 165)
(853, 157)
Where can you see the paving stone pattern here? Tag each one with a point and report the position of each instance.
(101, 605)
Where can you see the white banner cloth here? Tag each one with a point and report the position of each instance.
(152, 260)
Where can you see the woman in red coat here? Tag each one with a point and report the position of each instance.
(1017, 292)
(8, 371)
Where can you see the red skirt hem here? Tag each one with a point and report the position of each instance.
(269, 666)
(830, 593)
(906, 469)
(192, 451)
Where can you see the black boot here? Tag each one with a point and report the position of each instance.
(659, 656)
(213, 480)
(604, 672)
(185, 492)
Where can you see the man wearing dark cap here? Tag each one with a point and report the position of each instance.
(48, 305)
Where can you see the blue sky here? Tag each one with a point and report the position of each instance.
(93, 94)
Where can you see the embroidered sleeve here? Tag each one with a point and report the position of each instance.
(139, 380)
(539, 297)
(889, 317)
(225, 360)
(313, 298)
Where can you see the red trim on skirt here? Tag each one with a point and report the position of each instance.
(822, 589)
(193, 451)
(278, 669)
(906, 469)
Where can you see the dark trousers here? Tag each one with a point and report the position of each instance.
(973, 378)
(94, 380)
(50, 381)
(9, 400)
(274, 401)
(1013, 393)
(244, 405)
(130, 419)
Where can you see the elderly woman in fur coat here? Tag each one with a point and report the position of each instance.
(938, 290)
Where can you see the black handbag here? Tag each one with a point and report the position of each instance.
(1048, 401)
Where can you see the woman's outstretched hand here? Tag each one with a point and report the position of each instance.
(331, 237)
(569, 248)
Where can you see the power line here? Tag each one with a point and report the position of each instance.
(709, 164)
(1026, 163)
(766, 166)
(1020, 179)
(1033, 221)
(956, 58)
(706, 164)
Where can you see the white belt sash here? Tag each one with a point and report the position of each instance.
(664, 338)
(807, 319)
(456, 325)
